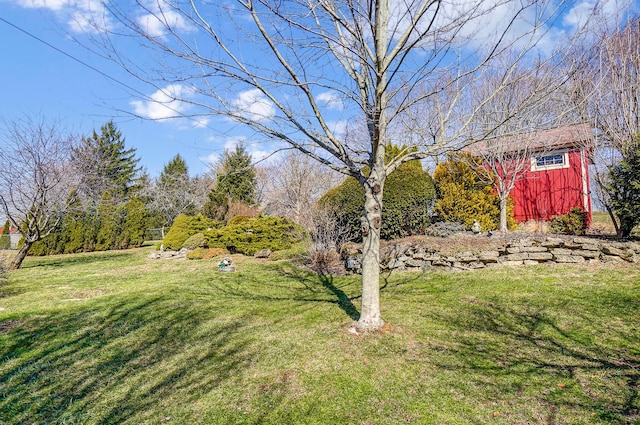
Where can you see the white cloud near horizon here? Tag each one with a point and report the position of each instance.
(163, 104)
(230, 143)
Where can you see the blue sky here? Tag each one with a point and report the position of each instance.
(37, 80)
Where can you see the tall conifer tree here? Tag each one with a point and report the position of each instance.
(106, 164)
(236, 181)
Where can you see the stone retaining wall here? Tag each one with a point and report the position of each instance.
(527, 251)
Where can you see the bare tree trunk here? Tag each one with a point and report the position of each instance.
(503, 214)
(370, 316)
(614, 220)
(20, 256)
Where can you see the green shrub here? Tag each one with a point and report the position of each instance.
(195, 241)
(238, 219)
(572, 223)
(250, 236)
(624, 190)
(407, 200)
(185, 226)
(5, 239)
(463, 197)
(297, 251)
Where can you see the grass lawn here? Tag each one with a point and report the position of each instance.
(114, 338)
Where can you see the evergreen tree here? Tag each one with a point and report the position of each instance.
(236, 181)
(408, 200)
(5, 239)
(175, 192)
(464, 197)
(175, 171)
(106, 164)
(624, 189)
(108, 230)
(134, 226)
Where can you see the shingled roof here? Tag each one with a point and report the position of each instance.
(542, 140)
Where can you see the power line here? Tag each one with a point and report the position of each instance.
(93, 68)
(105, 75)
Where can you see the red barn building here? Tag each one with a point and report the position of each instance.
(556, 179)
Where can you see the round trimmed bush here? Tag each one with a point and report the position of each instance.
(195, 241)
(407, 201)
(252, 235)
(185, 226)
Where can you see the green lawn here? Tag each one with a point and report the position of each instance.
(114, 338)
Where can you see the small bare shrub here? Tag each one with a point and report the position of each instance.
(326, 238)
(327, 262)
(237, 208)
(534, 226)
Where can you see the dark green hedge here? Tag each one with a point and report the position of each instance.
(254, 234)
(407, 201)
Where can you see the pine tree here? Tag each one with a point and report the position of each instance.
(624, 189)
(106, 164)
(463, 197)
(175, 192)
(174, 171)
(236, 181)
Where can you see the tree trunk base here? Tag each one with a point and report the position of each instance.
(370, 325)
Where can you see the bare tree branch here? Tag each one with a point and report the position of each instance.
(37, 183)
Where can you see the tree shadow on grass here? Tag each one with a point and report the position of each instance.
(65, 260)
(344, 302)
(128, 365)
(298, 285)
(498, 342)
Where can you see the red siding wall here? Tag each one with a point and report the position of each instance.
(542, 195)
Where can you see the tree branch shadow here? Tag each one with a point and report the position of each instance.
(313, 288)
(531, 341)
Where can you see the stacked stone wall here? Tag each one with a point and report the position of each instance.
(403, 256)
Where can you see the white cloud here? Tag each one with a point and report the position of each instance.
(230, 143)
(331, 99)
(82, 16)
(338, 128)
(578, 15)
(603, 11)
(43, 4)
(164, 103)
(253, 105)
(155, 24)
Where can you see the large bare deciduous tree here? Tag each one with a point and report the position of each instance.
(37, 182)
(297, 72)
(516, 123)
(605, 91)
(293, 184)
